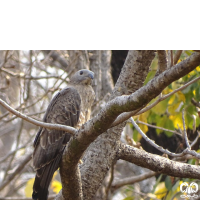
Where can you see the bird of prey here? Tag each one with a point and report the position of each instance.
(71, 106)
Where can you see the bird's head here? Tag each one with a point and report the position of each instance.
(83, 76)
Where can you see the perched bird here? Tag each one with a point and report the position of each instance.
(71, 106)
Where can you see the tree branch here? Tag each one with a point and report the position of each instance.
(164, 129)
(131, 180)
(195, 103)
(68, 129)
(137, 60)
(18, 169)
(57, 57)
(166, 151)
(125, 116)
(177, 56)
(157, 163)
(102, 121)
(137, 66)
(162, 61)
(185, 132)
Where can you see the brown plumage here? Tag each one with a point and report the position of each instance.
(70, 107)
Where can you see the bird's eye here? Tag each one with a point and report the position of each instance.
(81, 72)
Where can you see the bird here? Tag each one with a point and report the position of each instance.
(72, 107)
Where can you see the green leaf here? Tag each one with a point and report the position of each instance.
(168, 183)
(175, 186)
(188, 52)
(165, 122)
(152, 118)
(129, 198)
(191, 161)
(170, 86)
(150, 75)
(160, 108)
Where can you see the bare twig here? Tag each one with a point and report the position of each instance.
(165, 151)
(195, 103)
(196, 139)
(185, 131)
(124, 116)
(68, 129)
(164, 129)
(19, 132)
(166, 96)
(12, 152)
(57, 57)
(132, 180)
(18, 169)
(24, 76)
(6, 58)
(30, 114)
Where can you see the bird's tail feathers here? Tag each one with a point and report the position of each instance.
(43, 178)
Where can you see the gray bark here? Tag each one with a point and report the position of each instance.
(102, 152)
(102, 142)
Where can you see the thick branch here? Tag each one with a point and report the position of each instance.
(71, 181)
(125, 116)
(108, 114)
(102, 121)
(131, 78)
(157, 163)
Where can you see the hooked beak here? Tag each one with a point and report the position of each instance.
(91, 75)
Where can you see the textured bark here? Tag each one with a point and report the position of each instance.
(102, 152)
(162, 61)
(106, 78)
(73, 183)
(106, 82)
(157, 163)
(95, 66)
(177, 56)
(104, 146)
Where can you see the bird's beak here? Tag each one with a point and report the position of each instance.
(91, 75)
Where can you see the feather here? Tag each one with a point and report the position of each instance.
(64, 108)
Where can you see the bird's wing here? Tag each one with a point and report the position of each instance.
(50, 144)
(63, 109)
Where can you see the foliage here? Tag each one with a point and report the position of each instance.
(168, 113)
(29, 79)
